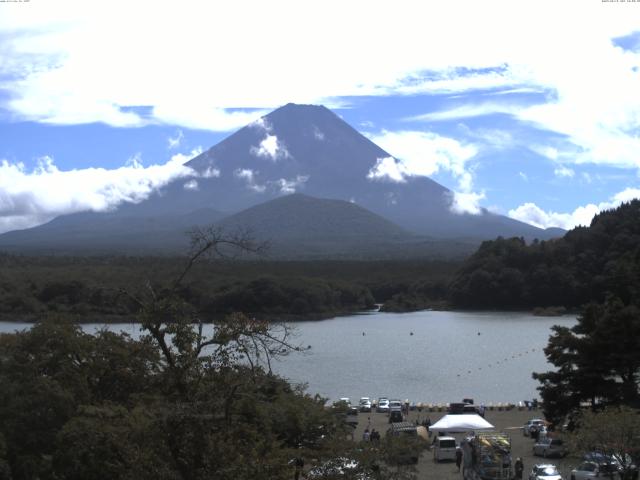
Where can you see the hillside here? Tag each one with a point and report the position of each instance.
(96, 233)
(587, 264)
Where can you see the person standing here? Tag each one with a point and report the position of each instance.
(458, 457)
(519, 468)
(299, 465)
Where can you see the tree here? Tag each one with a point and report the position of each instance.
(597, 360)
(612, 432)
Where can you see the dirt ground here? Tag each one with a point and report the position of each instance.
(510, 422)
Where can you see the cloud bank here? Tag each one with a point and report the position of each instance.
(534, 215)
(30, 198)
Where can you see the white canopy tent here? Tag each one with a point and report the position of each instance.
(461, 424)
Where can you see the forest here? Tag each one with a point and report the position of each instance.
(587, 265)
(89, 288)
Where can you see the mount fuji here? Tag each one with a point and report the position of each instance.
(342, 196)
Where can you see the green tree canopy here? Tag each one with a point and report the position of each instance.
(597, 360)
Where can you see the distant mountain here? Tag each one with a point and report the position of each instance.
(300, 226)
(109, 232)
(294, 149)
(300, 217)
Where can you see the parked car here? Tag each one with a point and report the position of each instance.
(444, 448)
(590, 469)
(365, 404)
(534, 423)
(395, 415)
(383, 405)
(545, 472)
(550, 447)
(616, 460)
(395, 404)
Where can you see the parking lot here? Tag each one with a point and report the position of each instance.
(510, 422)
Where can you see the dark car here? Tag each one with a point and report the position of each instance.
(395, 416)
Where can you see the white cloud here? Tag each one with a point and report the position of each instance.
(523, 176)
(29, 198)
(549, 152)
(424, 154)
(467, 202)
(387, 168)
(191, 185)
(564, 172)
(270, 147)
(467, 111)
(317, 134)
(250, 178)
(288, 186)
(531, 213)
(174, 142)
(210, 172)
(68, 66)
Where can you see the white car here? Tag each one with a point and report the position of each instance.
(383, 405)
(545, 472)
(549, 447)
(365, 404)
(536, 423)
(444, 448)
(395, 404)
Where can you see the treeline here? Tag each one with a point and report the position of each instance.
(586, 265)
(90, 288)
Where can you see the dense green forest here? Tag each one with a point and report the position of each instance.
(90, 287)
(587, 264)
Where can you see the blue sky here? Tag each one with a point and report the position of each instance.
(530, 109)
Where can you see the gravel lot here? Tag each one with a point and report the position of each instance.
(510, 422)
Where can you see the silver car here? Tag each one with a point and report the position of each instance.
(365, 404)
(587, 470)
(550, 447)
(383, 405)
(545, 472)
(535, 423)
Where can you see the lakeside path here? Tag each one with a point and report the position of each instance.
(510, 422)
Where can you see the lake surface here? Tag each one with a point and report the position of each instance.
(488, 356)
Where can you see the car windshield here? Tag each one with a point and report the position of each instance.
(547, 471)
(447, 444)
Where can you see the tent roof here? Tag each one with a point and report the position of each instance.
(461, 424)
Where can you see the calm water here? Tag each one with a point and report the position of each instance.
(487, 356)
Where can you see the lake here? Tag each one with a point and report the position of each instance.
(424, 356)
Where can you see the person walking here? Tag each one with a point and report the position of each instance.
(458, 457)
(519, 468)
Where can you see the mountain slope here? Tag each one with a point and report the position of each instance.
(109, 232)
(300, 217)
(295, 149)
(309, 149)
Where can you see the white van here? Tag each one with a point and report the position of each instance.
(444, 449)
